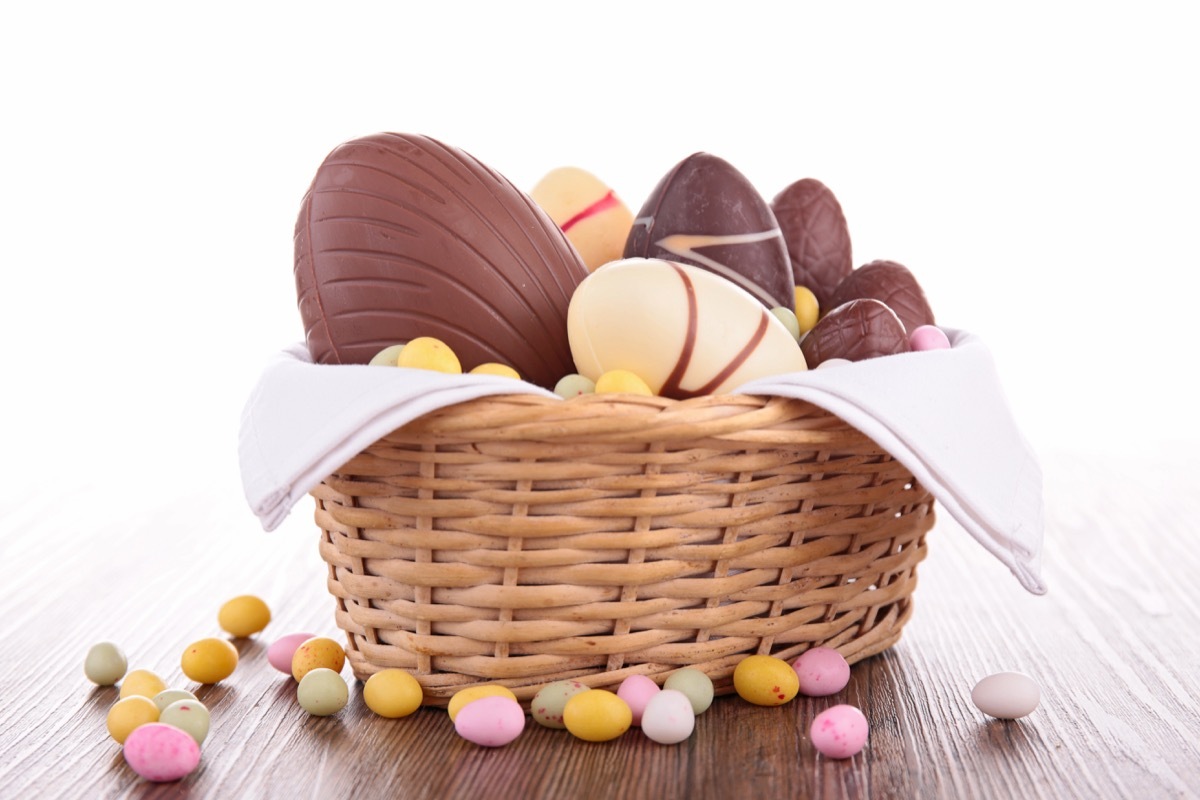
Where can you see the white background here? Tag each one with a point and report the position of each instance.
(1034, 164)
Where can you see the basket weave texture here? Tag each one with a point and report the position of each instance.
(520, 540)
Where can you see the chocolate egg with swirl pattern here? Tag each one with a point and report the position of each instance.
(707, 214)
(683, 330)
(401, 236)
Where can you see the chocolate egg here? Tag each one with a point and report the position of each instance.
(705, 213)
(401, 236)
(891, 284)
(817, 239)
(855, 331)
(594, 219)
(681, 329)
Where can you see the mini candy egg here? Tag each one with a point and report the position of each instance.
(190, 716)
(168, 696)
(1006, 695)
(822, 671)
(128, 714)
(588, 212)
(491, 721)
(280, 653)
(808, 310)
(928, 337)
(621, 381)
(161, 753)
(839, 732)
(668, 717)
(209, 661)
(597, 715)
(425, 352)
(573, 385)
(492, 368)
(765, 680)
(789, 320)
(469, 695)
(319, 651)
(683, 330)
(636, 691)
(695, 684)
(141, 682)
(387, 356)
(244, 616)
(392, 693)
(833, 362)
(105, 664)
(548, 703)
(322, 692)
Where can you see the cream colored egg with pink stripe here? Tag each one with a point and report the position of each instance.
(682, 329)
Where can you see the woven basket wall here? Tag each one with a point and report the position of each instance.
(519, 540)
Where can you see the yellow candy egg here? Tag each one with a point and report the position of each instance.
(244, 615)
(130, 713)
(142, 682)
(426, 352)
(392, 693)
(491, 368)
(597, 715)
(464, 696)
(387, 356)
(808, 311)
(622, 381)
(318, 652)
(209, 660)
(765, 680)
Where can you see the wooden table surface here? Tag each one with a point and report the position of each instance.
(1113, 645)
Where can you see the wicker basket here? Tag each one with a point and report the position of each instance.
(520, 540)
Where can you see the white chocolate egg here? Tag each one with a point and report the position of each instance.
(683, 330)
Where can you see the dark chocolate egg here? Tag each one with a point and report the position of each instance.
(816, 235)
(401, 236)
(855, 331)
(890, 283)
(706, 213)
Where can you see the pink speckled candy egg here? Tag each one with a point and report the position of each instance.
(490, 721)
(839, 732)
(160, 752)
(822, 671)
(637, 691)
(282, 649)
(928, 337)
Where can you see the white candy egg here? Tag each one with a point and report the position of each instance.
(1006, 695)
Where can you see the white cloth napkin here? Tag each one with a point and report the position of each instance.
(941, 413)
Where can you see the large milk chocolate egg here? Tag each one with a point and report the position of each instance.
(855, 331)
(705, 213)
(891, 284)
(818, 241)
(681, 329)
(591, 215)
(401, 236)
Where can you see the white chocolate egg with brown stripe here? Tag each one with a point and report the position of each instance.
(685, 331)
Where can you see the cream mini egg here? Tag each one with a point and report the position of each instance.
(681, 329)
(1006, 695)
(105, 664)
(190, 716)
(668, 717)
(695, 684)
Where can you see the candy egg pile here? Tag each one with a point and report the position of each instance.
(706, 287)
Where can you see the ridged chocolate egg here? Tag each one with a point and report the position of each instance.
(892, 284)
(401, 236)
(855, 331)
(707, 214)
(818, 240)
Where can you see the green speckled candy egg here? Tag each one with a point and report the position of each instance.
(548, 704)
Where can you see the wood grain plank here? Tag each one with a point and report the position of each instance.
(1113, 646)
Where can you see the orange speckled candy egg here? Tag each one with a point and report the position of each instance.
(209, 660)
(318, 652)
(681, 329)
(765, 680)
(244, 615)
